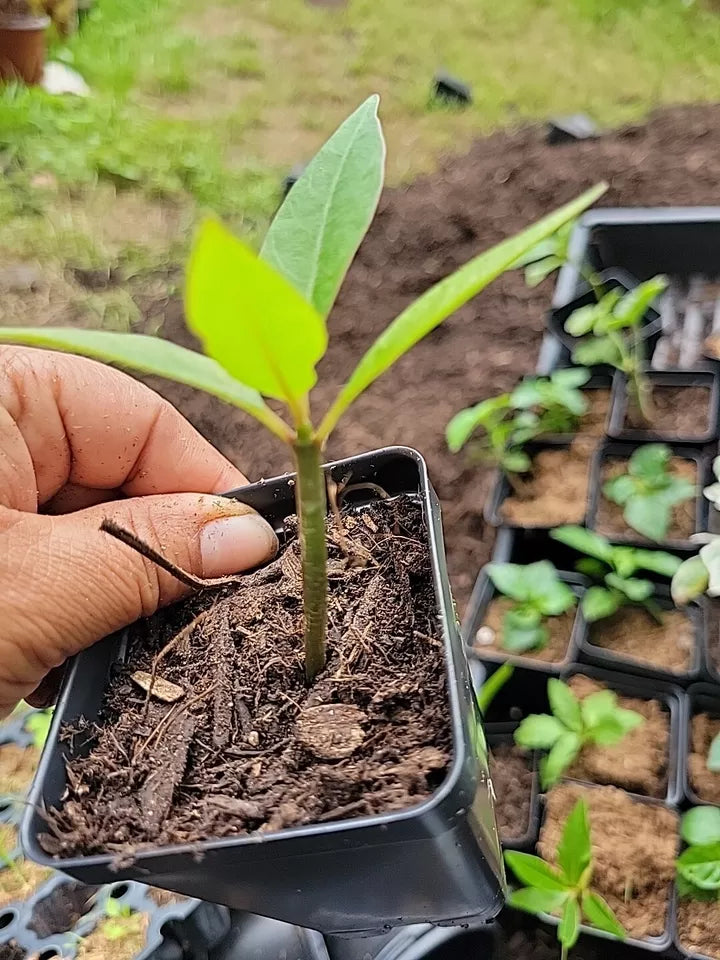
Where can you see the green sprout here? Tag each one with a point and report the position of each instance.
(613, 570)
(701, 574)
(122, 921)
(261, 320)
(566, 889)
(573, 723)
(551, 254)
(538, 593)
(614, 325)
(698, 866)
(649, 491)
(538, 406)
(38, 725)
(493, 685)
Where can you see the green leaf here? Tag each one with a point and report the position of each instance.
(519, 638)
(574, 850)
(620, 489)
(437, 303)
(592, 353)
(539, 731)
(564, 704)
(690, 581)
(493, 685)
(581, 321)
(584, 541)
(534, 872)
(546, 590)
(570, 377)
(634, 305)
(595, 569)
(701, 866)
(710, 556)
(634, 589)
(516, 461)
(713, 757)
(649, 460)
(526, 394)
(700, 826)
(656, 561)
(562, 754)
(597, 707)
(154, 356)
(250, 318)
(598, 603)
(612, 729)
(569, 926)
(466, 422)
(649, 515)
(535, 273)
(38, 726)
(536, 901)
(316, 232)
(600, 915)
(510, 579)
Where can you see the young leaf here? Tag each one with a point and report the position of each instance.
(655, 561)
(620, 489)
(519, 637)
(574, 852)
(690, 581)
(441, 300)
(633, 306)
(547, 591)
(710, 555)
(154, 356)
(598, 603)
(250, 318)
(534, 872)
(649, 461)
(581, 321)
(597, 707)
(316, 232)
(539, 731)
(700, 826)
(466, 422)
(634, 589)
(535, 273)
(592, 353)
(493, 685)
(570, 377)
(584, 541)
(648, 515)
(701, 866)
(600, 915)
(611, 729)
(533, 900)
(569, 926)
(564, 704)
(561, 756)
(510, 579)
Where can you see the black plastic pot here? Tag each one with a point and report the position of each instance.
(438, 861)
(666, 378)
(595, 654)
(483, 593)
(701, 698)
(527, 839)
(712, 640)
(623, 451)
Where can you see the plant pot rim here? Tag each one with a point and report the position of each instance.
(24, 23)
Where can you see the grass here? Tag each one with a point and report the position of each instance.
(206, 106)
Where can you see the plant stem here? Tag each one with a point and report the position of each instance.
(311, 498)
(563, 952)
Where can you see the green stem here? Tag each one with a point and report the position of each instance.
(311, 498)
(563, 951)
(591, 278)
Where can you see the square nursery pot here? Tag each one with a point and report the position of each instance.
(708, 380)
(623, 451)
(711, 646)
(599, 656)
(484, 593)
(701, 698)
(438, 861)
(526, 840)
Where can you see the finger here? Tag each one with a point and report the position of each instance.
(73, 497)
(71, 420)
(65, 584)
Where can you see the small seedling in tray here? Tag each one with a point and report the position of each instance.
(538, 593)
(565, 890)
(649, 490)
(698, 866)
(613, 569)
(573, 723)
(701, 574)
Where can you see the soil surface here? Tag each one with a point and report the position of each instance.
(609, 519)
(11, 951)
(250, 748)
(540, 500)
(634, 847)
(17, 767)
(704, 782)
(60, 910)
(683, 411)
(633, 634)
(594, 422)
(639, 762)
(698, 923)
(488, 639)
(512, 777)
(104, 944)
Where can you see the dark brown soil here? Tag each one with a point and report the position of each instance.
(698, 923)
(704, 782)
(488, 639)
(633, 634)
(512, 776)
(554, 492)
(609, 519)
(634, 848)
(60, 910)
(11, 951)
(239, 754)
(683, 411)
(639, 762)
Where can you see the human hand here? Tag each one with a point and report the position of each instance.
(81, 442)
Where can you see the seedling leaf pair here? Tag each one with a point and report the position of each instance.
(538, 593)
(698, 865)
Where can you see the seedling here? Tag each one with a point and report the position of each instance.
(539, 406)
(261, 321)
(551, 254)
(613, 324)
(565, 889)
(122, 921)
(573, 723)
(38, 725)
(538, 593)
(649, 491)
(701, 574)
(612, 569)
(698, 866)
(493, 685)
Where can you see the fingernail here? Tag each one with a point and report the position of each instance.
(231, 544)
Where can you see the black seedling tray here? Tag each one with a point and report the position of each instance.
(599, 656)
(438, 861)
(711, 640)
(623, 451)
(527, 839)
(259, 938)
(666, 378)
(701, 698)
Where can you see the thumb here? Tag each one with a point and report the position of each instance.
(65, 584)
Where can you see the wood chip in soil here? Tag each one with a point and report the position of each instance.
(682, 411)
(512, 777)
(698, 925)
(639, 762)
(634, 847)
(633, 634)
(609, 520)
(208, 767)
(488, 638)
(553, 493)
(704, 782)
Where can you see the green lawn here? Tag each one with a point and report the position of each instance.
(201, 105)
